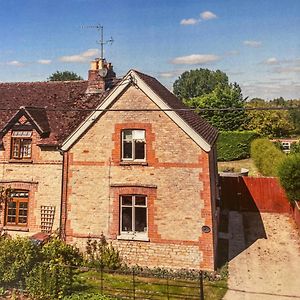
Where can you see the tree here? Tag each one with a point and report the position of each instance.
(270, 123)
(64, 76)
(228, 96)
(196, 83)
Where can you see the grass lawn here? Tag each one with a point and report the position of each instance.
(238, 164)
(148, 287)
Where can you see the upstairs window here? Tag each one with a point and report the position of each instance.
(133, 145)
(17, 209)
(21, 144)
(133, 214)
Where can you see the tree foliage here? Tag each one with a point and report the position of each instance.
(199, 82)
(270, 123)
(64, 76)
(228, 96)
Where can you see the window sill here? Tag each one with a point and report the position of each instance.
(132, 237)
(133, 163)
(15, 228)
(21, 161)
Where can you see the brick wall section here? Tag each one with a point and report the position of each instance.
(176, 180)
(41, 176)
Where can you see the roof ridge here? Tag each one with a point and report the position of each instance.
(41, 82)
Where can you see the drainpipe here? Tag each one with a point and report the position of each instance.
(64, 194)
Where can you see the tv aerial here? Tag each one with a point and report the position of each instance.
(101, 42)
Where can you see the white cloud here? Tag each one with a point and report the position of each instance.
(271, 61)
(190, 21)
(81, 57)
(232, 53)
(44, 61)
(208, 15)
(288, 69)
(170, 74)
(253, 44)
(195, 59)
(15, 63)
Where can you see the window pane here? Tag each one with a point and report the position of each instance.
(16, 148)
(127, 149)
(23, 205)
(138, 134)
(26, 148)
(22, 220)
(127, 200)
(139, 150)
(11, 219)
(126, 219)
(11, 205)
(140, 219)
(127, 134)
(140, 200)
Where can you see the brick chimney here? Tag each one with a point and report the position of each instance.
(100, 77)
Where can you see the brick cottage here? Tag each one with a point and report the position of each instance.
(122, 157)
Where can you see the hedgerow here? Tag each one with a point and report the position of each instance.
(235, 145)
(289, 175)
(266, 156)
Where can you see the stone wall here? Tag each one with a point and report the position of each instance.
(41, 176)
(175, 178)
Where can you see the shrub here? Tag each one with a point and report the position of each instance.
(289, 175)
(234, 145)
(53, 277)
(100, 254)
(17, 257)
(266, 156)
(295, 147)
(86, 296)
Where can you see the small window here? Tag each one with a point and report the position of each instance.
(133, 145)
(17, 209)
(21, 144)
(133, 214)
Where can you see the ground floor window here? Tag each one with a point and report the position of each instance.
(133, 214)
(17, 209)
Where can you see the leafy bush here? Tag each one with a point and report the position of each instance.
(100, 254)
(85, 296)
(53, 277)
(266, 156)
(234, 145)
(289, 175)
(295, 147)
(17, 257)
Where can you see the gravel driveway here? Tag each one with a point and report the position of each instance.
(265, 257)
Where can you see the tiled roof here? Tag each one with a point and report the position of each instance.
(201, 126)
(56, 99)
(60, 107)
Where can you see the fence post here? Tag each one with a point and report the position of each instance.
(201, 285)
(101, 279)
(168, 287)
(133, 284)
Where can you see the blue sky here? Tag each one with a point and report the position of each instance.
(257, 43)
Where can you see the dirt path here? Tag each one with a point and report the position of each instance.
(265, 256)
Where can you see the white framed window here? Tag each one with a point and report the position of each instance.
(134, 145)
(133, 215)
(21, 144)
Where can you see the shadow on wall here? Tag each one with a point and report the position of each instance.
(241, 224)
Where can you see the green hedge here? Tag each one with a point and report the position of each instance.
(289, 175)
(235, 145)
(266, 156)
